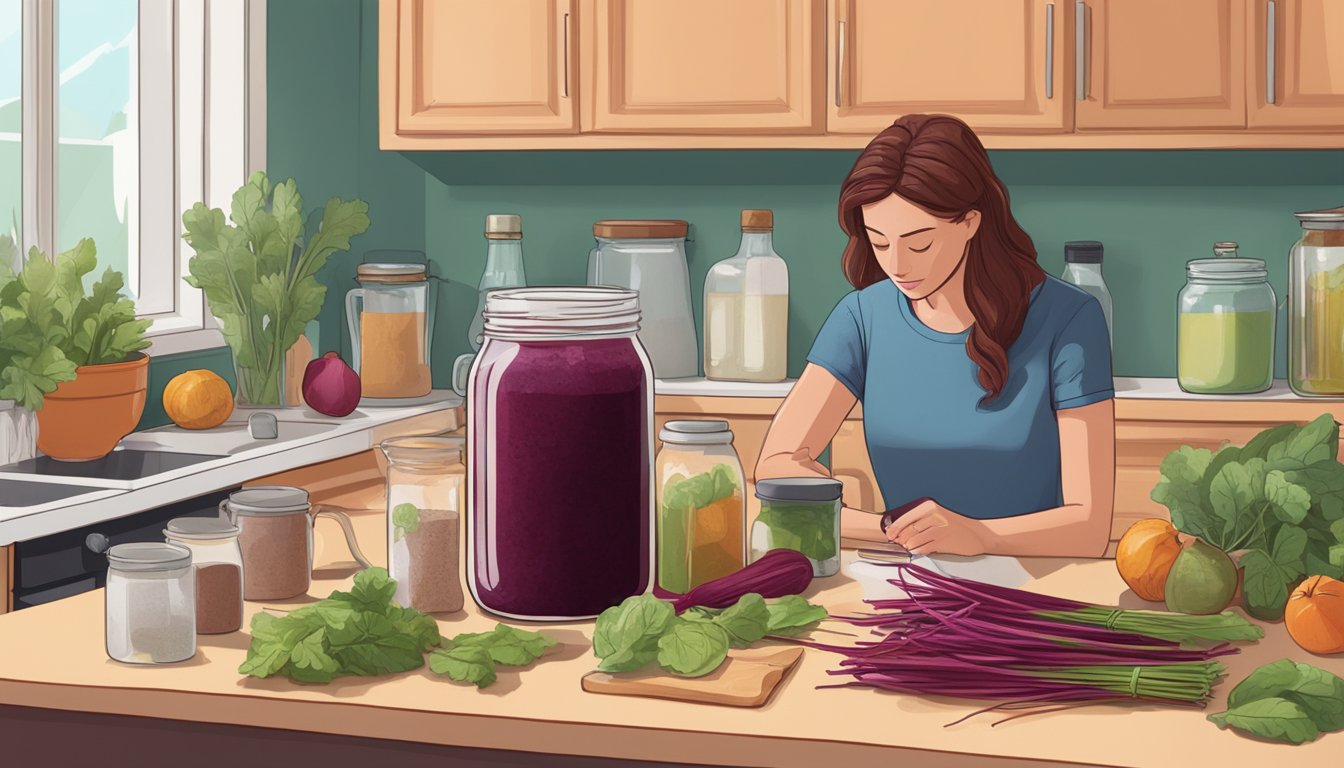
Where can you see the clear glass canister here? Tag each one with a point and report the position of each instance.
(424, 502)
(701, 507)
(218, 562)
(802, 514)
(560, 430)
(390, 332)
(1316, 305)
(150, 604)
(747, 308)
(1225, 326)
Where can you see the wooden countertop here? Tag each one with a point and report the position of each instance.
(52, 657)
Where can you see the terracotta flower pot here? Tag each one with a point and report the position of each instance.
(85, 418)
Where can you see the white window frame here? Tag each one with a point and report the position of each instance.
(215, 125)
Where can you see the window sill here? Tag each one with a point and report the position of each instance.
(172, 342)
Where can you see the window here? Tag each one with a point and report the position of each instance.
(117, 115)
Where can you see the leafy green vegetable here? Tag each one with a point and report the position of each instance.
(806, 528)
(793, 615)
(49, 325)
(692, 648)
(745, 622)
(679, 500)
(465, 664)
(1276, 500)
(360, 632)
(1285, 701)
(471, 657)
(405, 519)
(626, 635)
(258, 273)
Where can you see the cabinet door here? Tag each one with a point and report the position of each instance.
(1158, 64)
(997, 64)
(704, 66)
(472, 67)
(1297, 64)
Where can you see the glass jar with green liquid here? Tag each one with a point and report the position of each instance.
(1225, 326)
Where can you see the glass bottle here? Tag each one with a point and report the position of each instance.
(747, 308)
(1082, 259)
(150, 604)
(218, 562)
(1225, 327)
(503, 269)
(560, 429)
(1316, 305)
(701, 507)
(424, 507)
(389, 330)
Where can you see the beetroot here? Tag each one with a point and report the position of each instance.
(778, 573)
(330, 387)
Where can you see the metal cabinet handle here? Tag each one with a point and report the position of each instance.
(1080, 50)
(565, 92)
(839, 62)
(1050, 50)
(1271, 39)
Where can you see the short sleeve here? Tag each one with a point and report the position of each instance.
(1080, 362)
(840, 347)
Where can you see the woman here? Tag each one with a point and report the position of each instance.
(985, 383)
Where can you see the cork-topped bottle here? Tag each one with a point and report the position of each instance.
(747, 308)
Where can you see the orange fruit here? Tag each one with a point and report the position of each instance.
(198, 399)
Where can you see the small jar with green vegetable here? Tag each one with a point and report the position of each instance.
(802, 514)
(702, 511)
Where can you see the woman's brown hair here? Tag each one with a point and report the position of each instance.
(937, 163)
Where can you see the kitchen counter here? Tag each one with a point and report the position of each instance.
(52, 657)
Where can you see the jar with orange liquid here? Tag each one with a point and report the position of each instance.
(702, 511)
(389, 330)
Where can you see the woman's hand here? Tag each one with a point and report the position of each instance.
(931, 528)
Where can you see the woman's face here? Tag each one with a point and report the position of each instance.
(919, 251)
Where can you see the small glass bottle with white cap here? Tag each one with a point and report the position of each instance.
(150, 603)
(701, 505)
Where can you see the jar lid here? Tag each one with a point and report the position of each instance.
(758, 220)
(1329, 218)
(200, 528)
(149, 556)
(1083, 252)
(268, 500)
(503, 226)
(696, 432)
(640, 229)
(560, 311)
(1226, 269)
(422, 452)
(799, 489)
(390, 273)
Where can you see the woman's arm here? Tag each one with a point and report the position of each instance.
(1079, 528)
(804, 425)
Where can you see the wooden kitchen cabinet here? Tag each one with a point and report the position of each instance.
(1158, 65)
(1296, 64)
(468, 67)
(703, 66)
(1000, 65)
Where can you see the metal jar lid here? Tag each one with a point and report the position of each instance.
(148, 556)
(696, 432)
(1083, 252)
(200, 528)
(390, 273)
(813, 489)
(268, 500)
(1329, 218)
(503, 226)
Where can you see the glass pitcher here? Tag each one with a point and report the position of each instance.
(389, 330)
(424, 506)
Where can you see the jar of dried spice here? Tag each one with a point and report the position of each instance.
(424, 507)
(219, 570)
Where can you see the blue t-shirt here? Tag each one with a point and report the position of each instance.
(928, 434)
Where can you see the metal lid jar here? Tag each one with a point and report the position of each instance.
(1316, 305)
(218, 562)
(424, 502)
(701, 506)
(150, 604)
(802, 514)
(1225, 325)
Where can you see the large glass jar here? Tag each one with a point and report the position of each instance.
(747, 308)
(389, 333)
(802, 514)
(1316, 305)
(1225, 327)
(701, 507)
(424, 503)
(150, 604)
(218, 562)
(560, 432)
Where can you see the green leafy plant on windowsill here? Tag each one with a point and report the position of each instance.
(50, 326)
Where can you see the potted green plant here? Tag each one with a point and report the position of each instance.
(71, 355)
(258, 271)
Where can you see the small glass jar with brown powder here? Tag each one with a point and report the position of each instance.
(219, 570)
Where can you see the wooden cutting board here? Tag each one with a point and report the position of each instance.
(747, 679)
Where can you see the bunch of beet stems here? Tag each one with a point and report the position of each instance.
(1026, 651)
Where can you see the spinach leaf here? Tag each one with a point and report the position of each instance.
(405, 520)
(692, 649)
(1179, 489)
(1264, 586)
(1290, 543)
(465, 664)
(745, 621)
(507, 645)
(1273, 718)
(1317, 695)
(793, 615)
(1258, 447)
(1289, 501)
(1316, 441)
(626, 636)
(1233, 494)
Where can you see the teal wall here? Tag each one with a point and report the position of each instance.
(163, 368)
(1154, 210)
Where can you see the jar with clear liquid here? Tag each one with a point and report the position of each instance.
(747, 308)
(1316, 305)
(503, 269)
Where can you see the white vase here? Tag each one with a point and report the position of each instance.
(18, 433)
